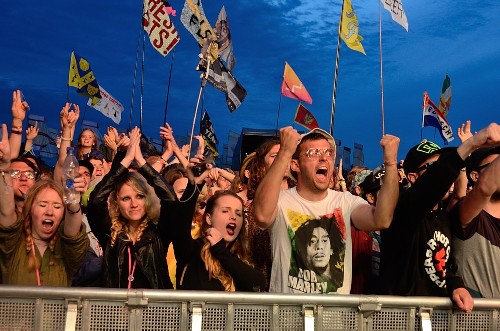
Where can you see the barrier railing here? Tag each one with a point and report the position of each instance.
(55, 308)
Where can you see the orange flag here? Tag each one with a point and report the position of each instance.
(292, 86)
(305, 118)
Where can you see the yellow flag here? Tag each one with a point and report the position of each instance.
(350, 28)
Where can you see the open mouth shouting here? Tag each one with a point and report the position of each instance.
(322, 173)
(47, 226)
(231, 228)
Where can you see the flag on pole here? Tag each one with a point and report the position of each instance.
(82, 77)
(292, 86)
(161, 31)
(305, 118)
(395, 7)
(194, 20)
(224, 40)
(223, 80)
(108, 106)
(349, 30)
(445, 99)
(208, 133)
(433, 117)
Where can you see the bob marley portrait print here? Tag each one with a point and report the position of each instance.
(318, 253)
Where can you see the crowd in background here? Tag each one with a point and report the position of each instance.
(288, 221)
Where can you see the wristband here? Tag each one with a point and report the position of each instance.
(74, 212)
(165, 161)
(15, 131)
(17, 128)
(65, 139)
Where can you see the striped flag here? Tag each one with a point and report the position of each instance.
(433, 117)
(445, 99)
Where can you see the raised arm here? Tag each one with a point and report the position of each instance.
(31, 134)
(369, 218)
(166, 133)
(265, 202)
(73, 215)
(68, 120)
(19, 108)
(480, 195)
(7, 205)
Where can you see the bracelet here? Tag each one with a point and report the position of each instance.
(15, 131)
(166, 161)
(389, 164)
(17, 128)
(65, 139)
(74, 212)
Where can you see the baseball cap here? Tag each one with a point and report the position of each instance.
(325, 134)
(359, 178)
(87, 164)
(373, 181)
(420, 153)
(473, 161)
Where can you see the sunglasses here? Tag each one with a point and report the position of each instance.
(317, 152)
(16, 174)
(425, 166)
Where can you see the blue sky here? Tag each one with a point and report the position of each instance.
(458, 38)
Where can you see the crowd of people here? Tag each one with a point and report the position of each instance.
(288, 221)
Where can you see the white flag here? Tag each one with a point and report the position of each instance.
(395, 7)
(109, 106)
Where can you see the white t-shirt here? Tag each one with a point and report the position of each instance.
(311, 243)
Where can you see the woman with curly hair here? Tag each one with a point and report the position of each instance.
(219, 258)
(124, 214)
(46, 243)
(259, 240)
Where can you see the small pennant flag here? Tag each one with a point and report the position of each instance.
(305, 118)
(395, 7)
(292, 86)
(82, 77)
(445, 99)
(433, 117)
(160, 29)
(208, 134)
(349, 30)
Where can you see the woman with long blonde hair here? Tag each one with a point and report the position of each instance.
(46, 243)
(218, 259)
(124, 214)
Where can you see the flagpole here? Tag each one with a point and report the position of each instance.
(279, 108)
(204, 78)
(336, 73)
(141, 30)
(381, 68)
(142, 79)
(422, 127)
(168, 91)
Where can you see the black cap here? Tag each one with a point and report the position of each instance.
(87, 164)
(474, 160)
(418, 154)
(373, 181)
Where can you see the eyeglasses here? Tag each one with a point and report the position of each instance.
(317, 152)
(425, 166)
(16, 174)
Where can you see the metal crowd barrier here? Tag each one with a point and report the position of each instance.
(56, 308)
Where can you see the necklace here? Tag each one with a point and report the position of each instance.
(131, 269)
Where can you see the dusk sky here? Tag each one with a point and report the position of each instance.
(458, 38)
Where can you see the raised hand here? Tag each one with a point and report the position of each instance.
(289, 139)
(19, 107)
(32, 132)
(464, 132)
(390, 145)
(4, 149)
(201, 144)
